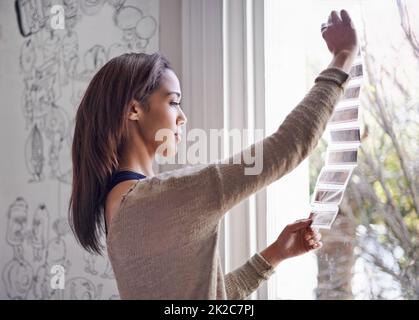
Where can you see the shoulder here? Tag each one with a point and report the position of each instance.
(114, 198)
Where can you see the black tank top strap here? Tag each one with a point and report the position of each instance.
(120, 176)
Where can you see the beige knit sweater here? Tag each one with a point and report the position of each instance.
(163, 241)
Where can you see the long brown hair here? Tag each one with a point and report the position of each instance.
(100, 131)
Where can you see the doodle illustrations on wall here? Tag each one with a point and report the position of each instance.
(28, 273)
(51, 62)
(55, 72)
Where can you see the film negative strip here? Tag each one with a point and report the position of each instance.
(324, 216)
(345, 115)
(344, 139)
(342, 156)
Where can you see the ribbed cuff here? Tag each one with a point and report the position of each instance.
(262, 267)
(335, 75)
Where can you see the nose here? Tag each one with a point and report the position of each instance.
(181, 118)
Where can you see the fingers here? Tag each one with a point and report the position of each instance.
(299, 224)
(334, 18)
(312, 234)
(340, 33)
(345, 17)
(312, 239)
(313, 244)
(317, 245)
(329, 19)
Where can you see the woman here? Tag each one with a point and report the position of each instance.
(162, 230)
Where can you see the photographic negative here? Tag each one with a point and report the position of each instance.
(323, 219)
(348, 114)
(352, 93)
(328, 196)
(347, 135)
(356, 71)
(342, 157)
(334, 176)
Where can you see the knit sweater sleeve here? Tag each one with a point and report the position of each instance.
(196, 197)
(287, 147)
(241, 282)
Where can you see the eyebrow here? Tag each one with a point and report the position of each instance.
(173, 92)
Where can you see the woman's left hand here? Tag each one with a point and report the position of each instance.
(297, 238)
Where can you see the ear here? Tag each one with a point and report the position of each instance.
(135, 111)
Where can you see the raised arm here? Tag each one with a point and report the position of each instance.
(282, 151)
(299, 134)
(207, 191)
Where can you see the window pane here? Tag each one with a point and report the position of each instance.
(370, 251)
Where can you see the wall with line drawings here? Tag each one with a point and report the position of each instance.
(43, 73)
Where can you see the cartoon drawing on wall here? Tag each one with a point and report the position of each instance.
(50, 62)
(80, 288)
(56, 255)
(45, 90)
(34, 153)
(18, 273)
(17, 277)
(94, 58)
(137, 29)
(70, 42)
(89, 260)
(57, 248)
(91, 7)
(41, 90)
(50, 119)
(47, 78)
(30, 14)
(27, 56)
(71, 13)
(42, 289)
(117, 4)
(56, 67)
(70, 57)
(51, 46)
(57, 121)
(28, 101)
(39, 235)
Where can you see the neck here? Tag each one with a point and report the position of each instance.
(137, 157)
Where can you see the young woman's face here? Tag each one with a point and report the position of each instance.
(160, 127)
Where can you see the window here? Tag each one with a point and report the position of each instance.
(371, 251)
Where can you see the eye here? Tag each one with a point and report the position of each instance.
(175, 104)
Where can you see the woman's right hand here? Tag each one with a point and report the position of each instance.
(340, 34)
(341, 39)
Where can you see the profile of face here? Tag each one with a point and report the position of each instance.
(160, 126)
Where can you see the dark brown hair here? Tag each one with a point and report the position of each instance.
(100, 131)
